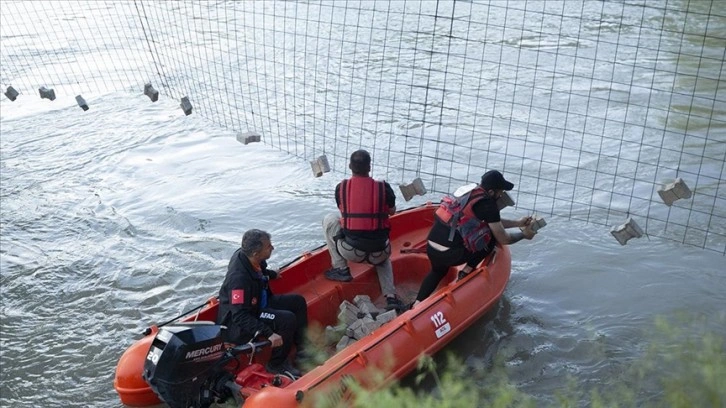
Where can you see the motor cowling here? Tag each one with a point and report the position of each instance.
(183, 363)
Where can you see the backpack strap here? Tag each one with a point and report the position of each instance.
(454, 222)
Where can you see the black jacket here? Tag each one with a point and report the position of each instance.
(240, 299)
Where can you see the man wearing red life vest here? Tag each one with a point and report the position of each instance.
(467, 228)
(360, 232)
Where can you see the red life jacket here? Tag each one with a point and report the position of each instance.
(363, 204)
(458, 213)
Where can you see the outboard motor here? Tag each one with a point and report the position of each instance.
(184, 365)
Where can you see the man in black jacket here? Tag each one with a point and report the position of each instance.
(248, 307)
(469, 234)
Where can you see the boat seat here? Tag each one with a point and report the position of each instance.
(418, 248)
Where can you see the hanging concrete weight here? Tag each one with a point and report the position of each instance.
(46, 93)
(82, 102)
(186, 105)
(152, 93)
(415, 188)
(11, 93)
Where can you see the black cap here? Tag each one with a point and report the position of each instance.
(494, 180)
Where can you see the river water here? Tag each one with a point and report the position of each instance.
(119, 219)
(125, 215)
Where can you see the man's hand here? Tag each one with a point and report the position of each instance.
(275, 340)
(525, 221)
(528, 232)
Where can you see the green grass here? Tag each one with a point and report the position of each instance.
(683, 366)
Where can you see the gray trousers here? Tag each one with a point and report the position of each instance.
(341, 251)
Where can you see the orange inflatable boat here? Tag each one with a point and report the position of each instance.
(184, 362)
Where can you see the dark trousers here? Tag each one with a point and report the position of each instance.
(441, 261)
(287, 315)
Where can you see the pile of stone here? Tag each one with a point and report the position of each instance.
(355, 321)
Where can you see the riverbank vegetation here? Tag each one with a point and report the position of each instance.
(683, 365)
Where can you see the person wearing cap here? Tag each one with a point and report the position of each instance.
(360, 231)
(467, 228)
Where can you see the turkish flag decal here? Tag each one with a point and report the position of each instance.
(238, 296)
